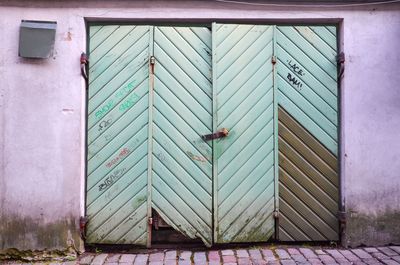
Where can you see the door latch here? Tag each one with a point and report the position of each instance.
(222, 133)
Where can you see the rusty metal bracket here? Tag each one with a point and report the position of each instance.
(340, 61)
(222, 133)
(84, 63)
(342, 216)
(83, 220)
(273, 59)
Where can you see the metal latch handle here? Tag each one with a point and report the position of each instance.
(221, 133)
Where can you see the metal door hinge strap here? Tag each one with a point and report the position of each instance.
(84, 63)
(340, 60)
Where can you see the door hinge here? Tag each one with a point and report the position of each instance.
(340, 60)
(83, 220)
(150, 221)
(342, 216)
(152, 62)
(276, 214)
(273, 59)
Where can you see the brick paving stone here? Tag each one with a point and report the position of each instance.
(214, 263)
(199, 256)
(293, 251)
(361, 253)
(185, 255)
(244, 261)
(259, 262)
(358, 262)
(396, 248)
(230, 263)
(349, 255)
(184, 262)
(336, 254)
(379, 255)
(156, 257)
(170, 262)
(371, 261)
(299, 258)
(344, 262)
(268, 255)
(113, 258)
(282, 254)
(388, 251)
(242, 253)
(288, 262)
(99, 259)
(275, 262)
(128, 259)
(229, 259)
(319, 252)
(156, 262)
(315, 261)
(308, 253)
(371, 250)
(326, 259)
(139, 259)
(389, 262)
(255, 254)
(170, 255)
(213, 256)
(396, 258)
(86, 259)
(227, 252)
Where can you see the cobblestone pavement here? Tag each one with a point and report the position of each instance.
(285, 255)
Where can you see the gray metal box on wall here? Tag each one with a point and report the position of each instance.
(36, 38)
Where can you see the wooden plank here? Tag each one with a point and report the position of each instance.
(308, 109)
(330, 143)
(304, 211)
(303, 150)
(308, 139)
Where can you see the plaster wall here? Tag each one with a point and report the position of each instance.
(42, 113)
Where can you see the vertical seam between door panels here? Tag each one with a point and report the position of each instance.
(214, 127)
(276, 158)
(150, 136)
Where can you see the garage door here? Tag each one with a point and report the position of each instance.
(190, 122)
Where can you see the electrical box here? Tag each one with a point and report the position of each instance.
(36, 38)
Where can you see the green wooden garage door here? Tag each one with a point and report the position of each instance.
(154, 92)
(182, 161)
(244, 160)
(117, 139)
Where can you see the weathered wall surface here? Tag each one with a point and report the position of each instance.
(42, 113)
